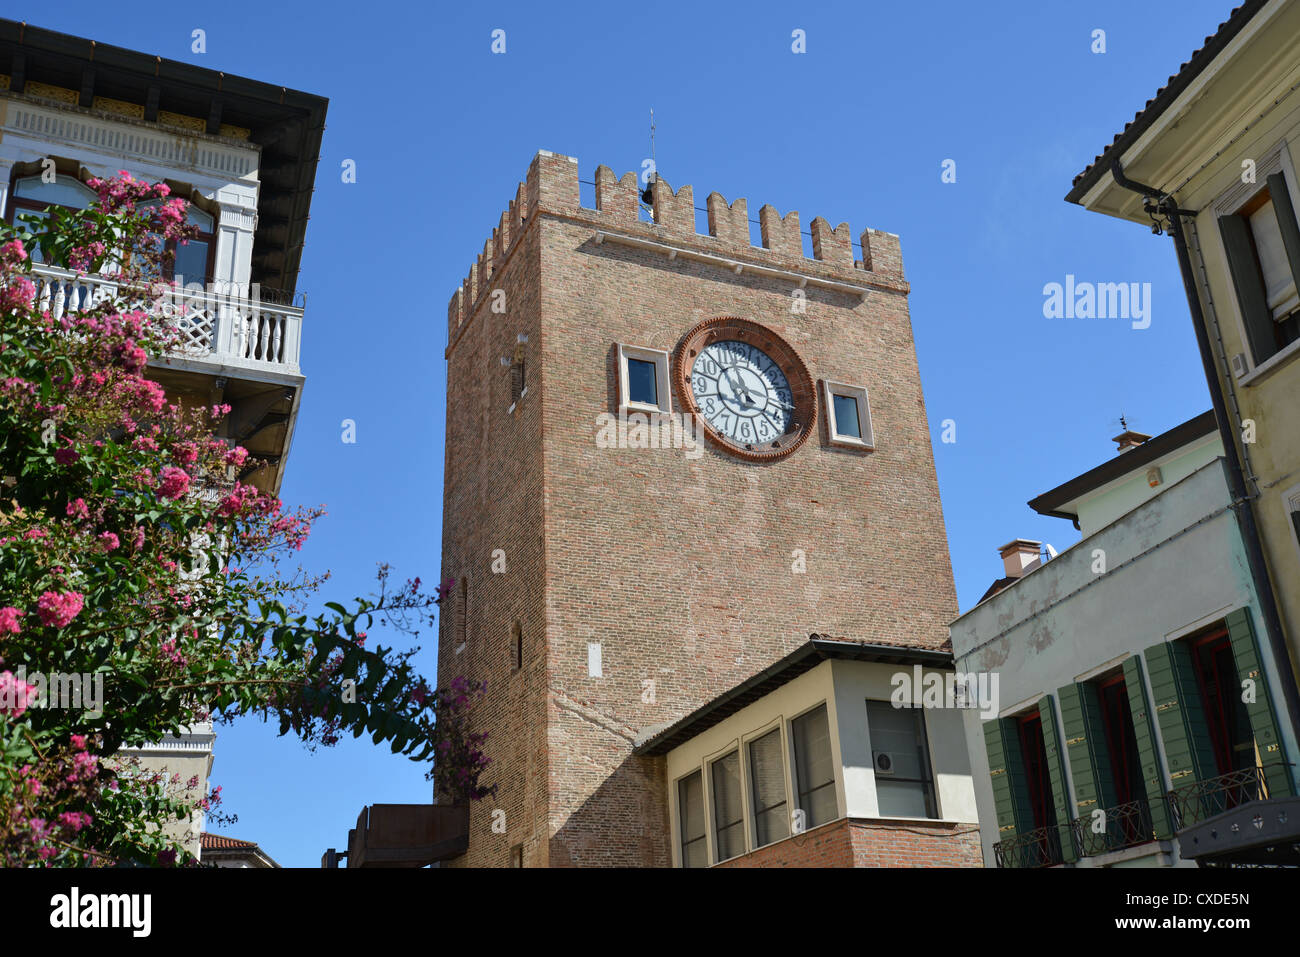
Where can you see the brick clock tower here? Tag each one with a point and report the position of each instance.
(671, 458)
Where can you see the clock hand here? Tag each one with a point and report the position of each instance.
(738, 386)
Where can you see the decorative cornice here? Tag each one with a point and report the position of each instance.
(122, 136)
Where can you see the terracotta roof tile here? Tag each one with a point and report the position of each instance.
(218, 842)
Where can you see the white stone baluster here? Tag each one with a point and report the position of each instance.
(276, 355)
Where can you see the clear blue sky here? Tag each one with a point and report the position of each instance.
(855, 129)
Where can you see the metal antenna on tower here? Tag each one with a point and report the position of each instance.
(647, 194)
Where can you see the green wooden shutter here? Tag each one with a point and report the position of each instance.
(1180, 714)
(1263, 721)
(1246, 280)
(1007, 775)
(1056, 771)
(1085, 747)
(1286, 223)
(1153, 776)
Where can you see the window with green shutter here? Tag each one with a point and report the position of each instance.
(1024, 793)
(1085, 749)
(1056, 774)
(1254, 694)
(1153, 776)
(1007, 777)
(1216, 718)
(1179, 715)
(1262, 243)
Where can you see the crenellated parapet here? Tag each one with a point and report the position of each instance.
(552, 188)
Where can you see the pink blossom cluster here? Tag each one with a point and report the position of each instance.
(9, 621)
(15, 695)
(174, 482)
(56, 610)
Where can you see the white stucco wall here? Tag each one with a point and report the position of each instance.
(1173, 565)
(845, 687)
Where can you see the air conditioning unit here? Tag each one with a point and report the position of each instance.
(884, 761)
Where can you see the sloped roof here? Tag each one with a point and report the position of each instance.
(1166, 95)
(807, 656)
(219, 842)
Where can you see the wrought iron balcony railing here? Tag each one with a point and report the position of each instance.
(1124, 825)
(1037, 848)
(225, 323)
(1200, 800)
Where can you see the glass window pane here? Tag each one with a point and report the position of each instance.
(64, 191)
(690, 810)
(729, 835)
(22, 219)
(767, 774)
(901, 798)
(1279, 284)
(198, 217)
(814, 772)
(846, 416)
(191, 263)
(642, 383)
(906, 790)
(820, 806)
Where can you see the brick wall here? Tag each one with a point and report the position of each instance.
(915, 844)
(830, 845)
(850, 842)
(679, 568)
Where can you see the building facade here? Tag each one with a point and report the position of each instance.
(840, 732)
(671, 456)
(1211, 160)
(1142, 719)
(243, 154)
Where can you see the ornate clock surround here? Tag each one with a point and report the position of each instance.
(804, 393)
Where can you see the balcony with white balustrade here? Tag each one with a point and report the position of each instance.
(232, 346)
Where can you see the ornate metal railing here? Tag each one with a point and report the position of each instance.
(230, 323)
(1121, 826)
(1199, 800)
(1037, 848)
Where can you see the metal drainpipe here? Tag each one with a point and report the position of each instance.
(1241, 501)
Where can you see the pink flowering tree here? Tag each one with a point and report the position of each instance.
(130, 554)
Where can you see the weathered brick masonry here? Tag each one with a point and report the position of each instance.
(849, 842)
(680, 568)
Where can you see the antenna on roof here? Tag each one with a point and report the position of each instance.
(647, 194)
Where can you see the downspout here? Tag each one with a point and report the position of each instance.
(1241, 504)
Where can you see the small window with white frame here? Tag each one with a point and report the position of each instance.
(643, 380)
(848, 415)
(1261, 242)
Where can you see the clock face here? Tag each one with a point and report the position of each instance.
(742, 393)
(748, 385)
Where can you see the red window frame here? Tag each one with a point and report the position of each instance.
(1037, 776)
(1216, 671)
(1121, 743)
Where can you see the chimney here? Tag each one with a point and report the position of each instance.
(1129, 440)
(1019, 556)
